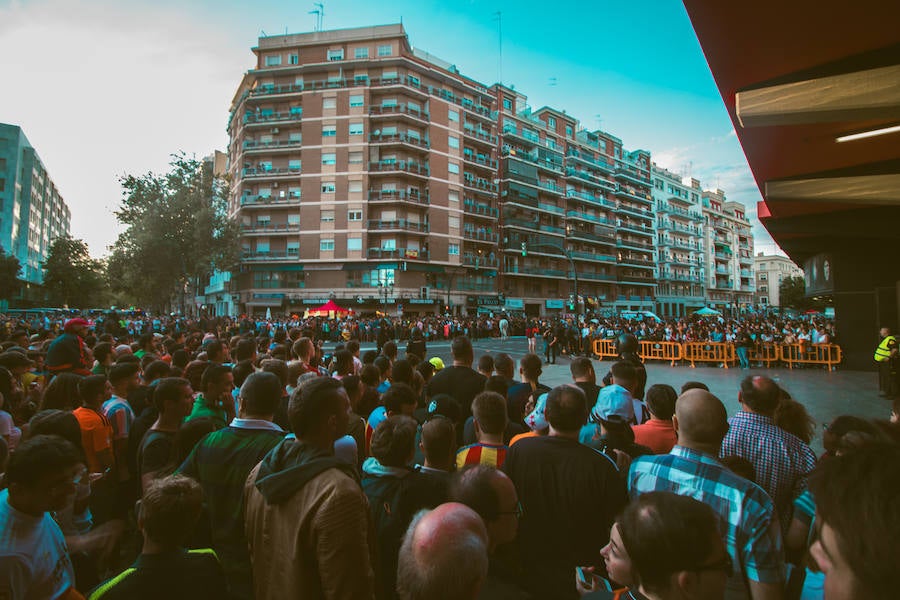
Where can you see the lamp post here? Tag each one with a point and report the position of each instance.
(568, 254)
(387, 290)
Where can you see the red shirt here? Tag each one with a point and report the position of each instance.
(656, 434)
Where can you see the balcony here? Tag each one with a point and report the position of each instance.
(536, 271)
(529, 139)
(632, 174)
(481, 210)
(400, 166)
(590, 179)
(666, 208)
(599, 238)
(480, 160)
(634, 279)
(482, 135)
(481, 236)
(593, 257)
(400, 196)
(745, 260)
(268, 256)
(720, 270)
(252, 146)
(746, 274)
(535, 159)
(479, 183)
(625, 243)
(261, 118)
(636, 228)
(634, 210)
(401, 253)
(535, 204)
(722, 256)
(400, 138)
(574, 155)
(532, 225)
(472, 286)
(399, 110)
(747, 288)
(633, 194)
(679, 260)
(596, 277)
(472, 260)
(269, 228)
(274, 172)
(267, 201)
(574, 214)
(397, 225)
(683, 278)
(590, 198)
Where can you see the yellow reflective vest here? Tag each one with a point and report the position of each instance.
(883, 351)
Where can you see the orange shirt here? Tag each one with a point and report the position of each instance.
(656, 434)
(96, 435)
(522, 436)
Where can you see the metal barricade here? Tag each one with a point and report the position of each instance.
(605, 349)
(766, 354)
(828, 355)
(670, 351)
(712, 352)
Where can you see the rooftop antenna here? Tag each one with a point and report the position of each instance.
(319, 11)
(498, 16)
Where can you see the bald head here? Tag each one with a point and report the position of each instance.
(700, 419)
(444, 554)
(760, 394)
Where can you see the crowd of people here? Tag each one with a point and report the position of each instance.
(234, 460)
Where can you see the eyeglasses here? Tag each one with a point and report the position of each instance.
(519, 512)
(724, 564)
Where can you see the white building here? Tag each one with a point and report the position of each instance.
(771, 270)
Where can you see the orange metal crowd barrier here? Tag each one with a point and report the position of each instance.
(828, 355)
(713, 352)
(766, 354)
(670, 351)
(605, 349)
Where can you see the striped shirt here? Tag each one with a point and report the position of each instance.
(492, 455)
(748, 523)
(120, 415)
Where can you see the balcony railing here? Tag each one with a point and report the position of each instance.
(250, 145)
(273, 172)
(577, 156)
(471, 286)
(636, 262)
(522, 201)
(473, 208)
(398, 109)
(596, 276)
(640, 228)
(268, 200)
(479, 183)
(399, 196)
(484, 161)
(263, 256)
(270, 228)
(604, 258)
(401, 224)
(536, 271)
(633, 244)
(633, 194)
(480, 134)
(576, 234)
(399, 138)
(404, 253)
(634, 210)
(599, 201)
(632, 173)
(533, 225)
(591, 179)
(389, 166)
(274, 117)
(574, 214)
(481, 236)
(473, 260)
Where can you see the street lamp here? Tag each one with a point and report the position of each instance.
(387, 290)
(568, 254)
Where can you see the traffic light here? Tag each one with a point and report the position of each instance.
(524, 249)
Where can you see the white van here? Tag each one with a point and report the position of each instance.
(639, 315)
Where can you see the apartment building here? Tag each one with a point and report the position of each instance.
(770, 270)
(363, 170)
(729, 253)
(32, 212)
(680, 244)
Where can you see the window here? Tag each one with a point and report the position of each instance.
(327, 187)
(293, 59)
(412, 80)
(293, 248)
(453, 249)
(388, 102)
(329, 103)
(453, 222)
(453, 196)
(356, 100)
(262, 246)
(293, 219)
(361, 53)
(384, 50)
(329, 130)
(356, 158)
(294, 192)
(328, 158)
(453, 168)
(326, 245)
(273, 60)
(327, 216)
(568, 131)
(354, 215)
(336, 54)
(361, 79)
(389, 244)
(356, 128)
(453, 142)
(453, 115)
(389, 75)
(354, 243)
(507, 104)
(355, 185)
(551, 122)
(294, 164)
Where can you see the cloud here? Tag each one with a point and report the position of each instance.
(103, 88)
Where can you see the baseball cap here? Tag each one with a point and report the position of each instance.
(14, 359)
(72, 324)
(614, 403)
(437, 362)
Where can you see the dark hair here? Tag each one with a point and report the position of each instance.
(389, 349)
(461, 348)
(497, 384)
(241, 371)
(343, 362)
(504, 365)
(394, 440)
(276, 366)
(353, 346)
(856, 496)
(383, 363)
(369, 356)
(739, 466)
(581, 366)
(40, 456)
(625, 371)
(792, 416)
(91, 386)
(760, 393)
(121, 371)
(261, 394)
(312, 403)
(57, 422)
(244, 350)
(531, 366)
(102, 351)
(213, 374)
(660, 399)
(370, 374)
(566, 408)
(489, 410)
(214, 349)
(473, 486)
(438, 438)
(170, 509)
(665, 533)
(402, 372)
(694, 385)
(425, 369)
(168, 389)
(486, 363)
(397, 396)
(62, 392)
(180, 358)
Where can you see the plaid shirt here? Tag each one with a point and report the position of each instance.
(782, 461)
(748, 522)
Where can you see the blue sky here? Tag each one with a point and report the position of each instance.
(115, 87)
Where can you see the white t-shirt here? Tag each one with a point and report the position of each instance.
(8, 428)
(34, 561)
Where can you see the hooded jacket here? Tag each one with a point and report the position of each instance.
(308, 526)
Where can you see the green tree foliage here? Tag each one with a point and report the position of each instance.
(792, 294)
(10, 269)
(177, 230)
(71, 277)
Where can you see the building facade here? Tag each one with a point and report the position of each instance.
(32, 212)
(681, 244)
(729, 254)
(770, 271)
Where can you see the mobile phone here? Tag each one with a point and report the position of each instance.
(584, 577)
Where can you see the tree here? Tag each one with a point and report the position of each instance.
(792, 294)
(71, 276)
(177, 231)
(10, 269)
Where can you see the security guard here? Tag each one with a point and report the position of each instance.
(886, 358)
